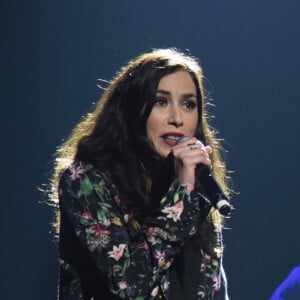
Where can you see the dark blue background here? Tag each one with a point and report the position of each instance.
(52, 52)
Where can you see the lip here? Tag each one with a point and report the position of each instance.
(171, 138)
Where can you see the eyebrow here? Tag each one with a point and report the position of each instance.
(167, 93)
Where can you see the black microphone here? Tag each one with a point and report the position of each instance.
(211, 187)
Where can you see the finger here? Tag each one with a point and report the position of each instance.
(208, 149)
(192, 155)
(189, 142)
(190, 149)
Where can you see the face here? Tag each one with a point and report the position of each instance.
(175, 112)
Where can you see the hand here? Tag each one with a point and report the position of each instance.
(187, 155)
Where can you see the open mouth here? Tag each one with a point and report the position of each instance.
(171, 139)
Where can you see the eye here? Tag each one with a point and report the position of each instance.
(190, 104)
(160, 101)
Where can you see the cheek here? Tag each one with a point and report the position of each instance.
(152, 126)
(193, 123)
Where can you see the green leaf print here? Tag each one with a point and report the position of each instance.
(84, 222)
(101, 215)
(86, 187)
(116, 269)
(163, 200)
(126, 265)
(176, 197)
(100, 187)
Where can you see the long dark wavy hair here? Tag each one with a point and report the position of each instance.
(113, 137)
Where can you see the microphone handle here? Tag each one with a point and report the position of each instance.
(213, 190)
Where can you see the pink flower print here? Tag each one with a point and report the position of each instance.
(216, 282)
(98, 229)
(174, 211)
(155, 291)
(151, 236)
(117, 252)
(150, 232)
(161, 257)
(122, 285)
(76, 172)
(144, 246)
(87, 215)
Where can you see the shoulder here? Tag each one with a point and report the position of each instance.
(83, 179)
(78, 171)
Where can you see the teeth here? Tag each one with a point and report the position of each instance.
(173, 138)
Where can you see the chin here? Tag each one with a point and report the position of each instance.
(162, 150)
(164, 153)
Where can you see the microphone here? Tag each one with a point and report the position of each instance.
(211, 187)
(213, 190)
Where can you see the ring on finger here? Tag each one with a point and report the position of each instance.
(192, 146)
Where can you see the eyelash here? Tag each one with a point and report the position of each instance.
(160, 101)
(188, 104)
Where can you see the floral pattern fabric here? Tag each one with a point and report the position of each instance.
(105, 255)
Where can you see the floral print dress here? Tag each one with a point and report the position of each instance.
(104, 255)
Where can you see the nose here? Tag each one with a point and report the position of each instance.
(175, 117)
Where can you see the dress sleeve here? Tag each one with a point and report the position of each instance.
(134, 264)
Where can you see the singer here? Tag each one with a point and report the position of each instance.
(133, 219)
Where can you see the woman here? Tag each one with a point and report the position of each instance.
(133, 222)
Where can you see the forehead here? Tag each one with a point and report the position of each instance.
(180, 81)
